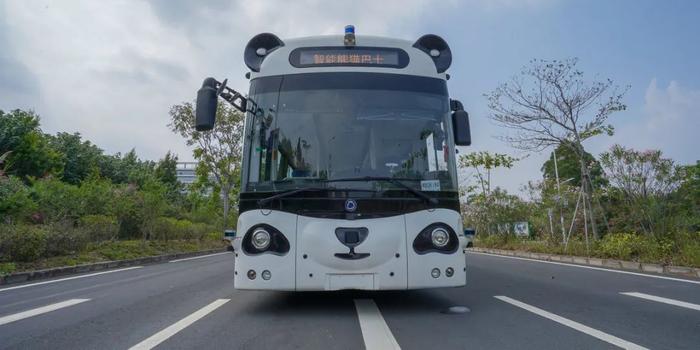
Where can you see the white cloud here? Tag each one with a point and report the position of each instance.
(111, 70)
(669, 120)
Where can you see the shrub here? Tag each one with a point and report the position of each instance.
(623, 246)
(126, 203)
(96, 196)
(688, 246)
(16, 203)
(64, 238)
(57, 201)
(100, 227)
(214, 236)
(7, 268)
(23, 243)
(169, 228)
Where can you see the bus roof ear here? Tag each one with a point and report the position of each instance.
(437, 48)
(258, 48)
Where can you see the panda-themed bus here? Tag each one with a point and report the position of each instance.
(349, 177)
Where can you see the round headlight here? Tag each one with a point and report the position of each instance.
(261, 239)
(440, 237)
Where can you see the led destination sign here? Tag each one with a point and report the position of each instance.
(343, 56)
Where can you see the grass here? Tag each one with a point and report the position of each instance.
(678, 249)
(113, 250)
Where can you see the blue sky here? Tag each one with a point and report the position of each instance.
(112, 69)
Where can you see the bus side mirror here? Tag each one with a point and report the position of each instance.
(205, 112)
(460, 126)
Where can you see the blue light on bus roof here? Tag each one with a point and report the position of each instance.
(349, 29)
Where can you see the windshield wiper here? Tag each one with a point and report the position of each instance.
(393, 180)
(264, 201)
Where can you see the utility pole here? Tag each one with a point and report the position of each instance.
(561, 210)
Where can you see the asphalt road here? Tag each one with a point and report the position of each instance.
(514, 304)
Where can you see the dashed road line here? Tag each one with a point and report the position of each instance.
(69, 278)
(572, 324)
(154, 340)
(40, 310)
(375, 331)
(590, 267)
(663, 300)
(198, 257)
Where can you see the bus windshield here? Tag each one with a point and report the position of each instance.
(324, 126)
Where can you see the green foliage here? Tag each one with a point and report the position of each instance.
(644, 184)
(166, 173)
(170, 228)
(22, 242)
(689, 253)
(63, 238)
(623, 246)
(482, 163)
(16, 203)
(30, 152)
(218, 151)
(96, 196)
(100, 227)
(494, 213)
(62, 199)
(679, 249)
(127, 203)
(57, 201)
(7, 268)
(569, 167)
(80, 158)
(688, 197)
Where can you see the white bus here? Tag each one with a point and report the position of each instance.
(349, 178)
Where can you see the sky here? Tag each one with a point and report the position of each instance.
(112, 69)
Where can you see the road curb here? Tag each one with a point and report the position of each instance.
(598, 262)
(103, 265)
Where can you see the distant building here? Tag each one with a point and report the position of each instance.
(186, 175)
(186, 172)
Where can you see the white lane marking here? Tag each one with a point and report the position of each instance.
(573, 324)
(69, 278)
(663, 300)
(590, 268)
(154, 340)
(197, 257)
(40, 310)
(375, 331)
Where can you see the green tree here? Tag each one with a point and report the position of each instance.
(166, 172)
(689, 196)
(551, 104)
(79, 157)
(643, 184)
(16, 203)
(482, 163)
(569, 167)
(483, 209)
(219, 151)
(30, 152)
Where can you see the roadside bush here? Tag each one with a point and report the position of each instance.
(169, 228)
(64, 239)
(96, 196)
(100, 228)
(16, 203)
(57, 201)
(214, 236)
(624, 246)
(126, 203)
(688, 249)
(7, 268)
(492, 241)
(22, 242)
